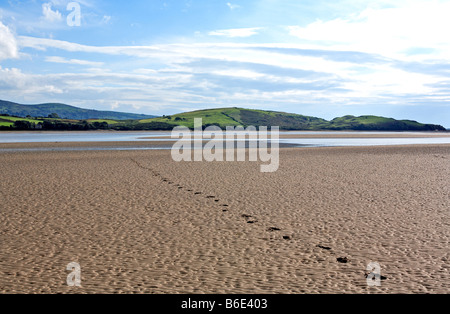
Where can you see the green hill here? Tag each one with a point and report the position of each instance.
(64, 111)
(374, 123)
(82, 119)
(245, 117)
(289, 121)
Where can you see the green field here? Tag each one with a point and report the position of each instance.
(13, 119)
(219, 117)
(6, 124)
(6, 121)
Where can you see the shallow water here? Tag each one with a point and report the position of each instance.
(139, 137)
(329, 142)
(52, 137)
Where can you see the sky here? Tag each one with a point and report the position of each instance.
(313, 57)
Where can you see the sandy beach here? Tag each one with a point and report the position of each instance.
(138, 222)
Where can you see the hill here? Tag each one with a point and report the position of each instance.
(64, 111)
(219, 117)
(289, 121)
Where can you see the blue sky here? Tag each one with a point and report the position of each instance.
(319, 58)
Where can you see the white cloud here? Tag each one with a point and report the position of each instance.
(375, 77)
(233, 6)
(8, 43)
(389, 81)
(390, 31)
(115, 105)
(44, 43)
(106, 19)
(13, 81)
(236, 32)
(49, 15)
(73, 61)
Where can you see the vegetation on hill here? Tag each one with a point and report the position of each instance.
(218, 117)
(287, 121)
(374, 123)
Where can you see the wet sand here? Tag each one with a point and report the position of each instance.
(294, 135)
(141, 144)
(137, 222)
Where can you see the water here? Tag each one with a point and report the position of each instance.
(67, 137)
(64, 137)
(336, 142)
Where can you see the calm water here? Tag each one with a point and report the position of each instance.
(323, 142)
(42, 137)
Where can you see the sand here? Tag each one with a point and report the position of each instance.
(306, 134)
(137, 222)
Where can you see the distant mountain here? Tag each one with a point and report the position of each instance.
(65, 111)
(289, 121)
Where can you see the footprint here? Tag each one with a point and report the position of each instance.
(381, 277)
(217, 201)
(324, 247)
(224, 205)
(343, 260)
(286, 237)
(246, 216)
(198, 193)
(252, 221)
(271, 229)
(210, 196)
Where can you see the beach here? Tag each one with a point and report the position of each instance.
(138, 222)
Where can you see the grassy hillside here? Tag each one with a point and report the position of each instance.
(222, 117)
(219, 117)
(374, 123)
(236, 116)
(64, 111)
(288, 121)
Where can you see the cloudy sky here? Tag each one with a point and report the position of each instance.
(315, 57)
